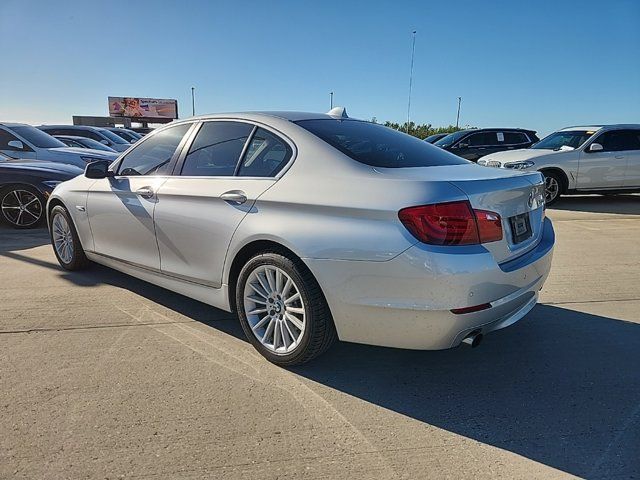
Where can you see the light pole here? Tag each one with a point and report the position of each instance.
(458, 115)
(193, 101)
(413, 51)
(330, 100)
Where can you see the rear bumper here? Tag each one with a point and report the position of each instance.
(406, 302)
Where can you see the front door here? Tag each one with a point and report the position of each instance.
(228, 166)
(6, 137)
(604, 168)
(121, 208)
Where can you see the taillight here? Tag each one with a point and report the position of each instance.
(451, 223)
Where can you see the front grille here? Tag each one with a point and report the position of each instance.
(493, 163)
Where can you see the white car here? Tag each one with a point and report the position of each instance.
(311, 225)
(591, 159)
(27, 142)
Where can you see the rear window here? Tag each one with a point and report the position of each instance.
(378, 146)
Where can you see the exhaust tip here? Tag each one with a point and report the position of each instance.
(473, 339)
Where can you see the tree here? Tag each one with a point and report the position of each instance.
(421, 131)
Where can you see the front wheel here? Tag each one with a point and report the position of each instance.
(65, 240)
(553, 186)
(22, 206)
(282, 309)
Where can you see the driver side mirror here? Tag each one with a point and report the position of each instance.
(595, 147)
(99, 169)
(16, 144)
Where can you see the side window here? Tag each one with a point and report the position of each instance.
(216, 149)
(88, 134)
(5, 138)
(481, 139)
(619, 140)
(152, 156)
(515, 138)
(265, 156)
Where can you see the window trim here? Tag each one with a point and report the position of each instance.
(256, 124)
(115, 166)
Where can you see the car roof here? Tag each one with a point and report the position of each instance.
(76, 127)
(285, 115)
(601, 127)
(72, 137)
(14, 124)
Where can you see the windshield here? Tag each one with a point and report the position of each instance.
(378, 146)
(91, 143)
(113, 137)
(37, 137)
(557, 140)
(451, 138)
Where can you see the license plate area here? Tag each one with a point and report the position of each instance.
(520, 227)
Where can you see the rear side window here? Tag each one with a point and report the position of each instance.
(265, 156)
(515, 138)
(216, 149)
(619, 140)
(152, 156)
(378, 146)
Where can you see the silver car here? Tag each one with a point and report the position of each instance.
(312, 227)
(592, 159)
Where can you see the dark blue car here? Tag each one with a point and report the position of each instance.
(25, 186)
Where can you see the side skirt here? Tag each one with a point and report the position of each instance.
(216, 297)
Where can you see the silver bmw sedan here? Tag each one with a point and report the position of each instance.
(314, 227)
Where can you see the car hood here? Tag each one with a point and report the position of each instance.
(86, 152)
(521, 154)
(41, 166)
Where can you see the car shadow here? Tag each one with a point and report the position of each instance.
(626, 204)
(560, 387)
(12, 239)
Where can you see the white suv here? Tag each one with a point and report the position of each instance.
(593, 159)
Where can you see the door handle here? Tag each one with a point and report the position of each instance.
(234, 196)
(145, 192)
(619, 157)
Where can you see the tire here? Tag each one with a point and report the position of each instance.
(553, 187)
(63, 234)
(22, 206)
(279, 314)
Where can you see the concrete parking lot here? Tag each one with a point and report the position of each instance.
(104, 376)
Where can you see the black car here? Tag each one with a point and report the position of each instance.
(435, 137)
(25, 186)
(478, 142)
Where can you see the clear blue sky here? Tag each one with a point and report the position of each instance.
(534, 64)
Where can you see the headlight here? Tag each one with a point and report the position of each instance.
(519, 165)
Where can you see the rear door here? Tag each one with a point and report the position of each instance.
(215, 185)
(632, 174)
(605, 168)
(514, 140)
(478, 145)
(121, 208)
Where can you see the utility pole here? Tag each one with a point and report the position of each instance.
(193, 101)
(413, 51)
(458, 115)
(330, 100)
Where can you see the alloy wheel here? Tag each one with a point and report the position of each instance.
(62, 238)
(21, 208)
(551, 189)
(274, 308)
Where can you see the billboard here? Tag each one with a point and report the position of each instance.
(133, 107)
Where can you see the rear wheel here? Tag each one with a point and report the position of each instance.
(553, 187)
(22, 206)
(282, 309)
(65, 240)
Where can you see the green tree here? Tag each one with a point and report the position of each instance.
(421, 131)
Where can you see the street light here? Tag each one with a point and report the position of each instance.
(330, 100)
(193, 101)
(413, 51)
(458, 115)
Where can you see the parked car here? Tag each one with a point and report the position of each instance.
(27, 142)
(388, 240)
(435, 137)
(475, 143)
(591, 159)
(98, 134)
(83, 142)
(25, 186)
(129, 135)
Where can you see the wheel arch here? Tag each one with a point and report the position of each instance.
(561, 173)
